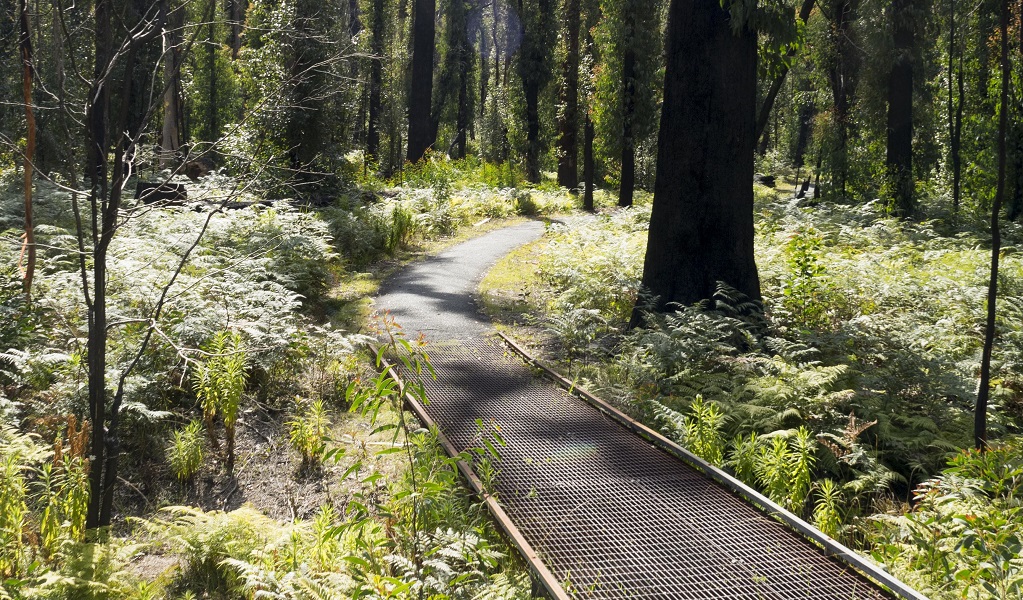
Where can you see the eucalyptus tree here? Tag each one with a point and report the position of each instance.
(568, 113)
(626, 89)
(420, 98)
(535, 69)
(899, 149)
(701, 225)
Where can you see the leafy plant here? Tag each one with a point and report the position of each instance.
(186, 451)
(309, 432)
(219, 384)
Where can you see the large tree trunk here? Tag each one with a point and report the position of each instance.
(628, 178)
(28, 70)
(421, 86)
(899, 159)
(772, 94)
(701, 227)
(984, 389)
(376, 81)
(568, 119)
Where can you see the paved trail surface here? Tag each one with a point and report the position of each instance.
(610, 515)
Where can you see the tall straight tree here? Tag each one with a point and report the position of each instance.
(568, 116)
(701, 226)
(984, 390)
(28, 70)
(421, 83)
(899, 158)
(843, 74)
(534, 68)
(376, 79)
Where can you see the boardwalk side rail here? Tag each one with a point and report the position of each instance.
(830, 546)
(541, 574)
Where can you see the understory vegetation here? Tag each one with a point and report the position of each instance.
(846, 397)
(261, 454)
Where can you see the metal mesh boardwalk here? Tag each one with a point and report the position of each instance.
(611, 515)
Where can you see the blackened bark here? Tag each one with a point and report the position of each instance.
(97, 144)
(421, 87)
(236, 17)
(806, 112)
(376, 81)
(568, 121)
(955, 107)
(980, 414)
(170, 139)
(701, 226)
(899, 159)
(532, 93)
(588, 166)
(212, 126)
(772, 94)
(464, 113)
(843, 75)
(628, 178)
(28, 71)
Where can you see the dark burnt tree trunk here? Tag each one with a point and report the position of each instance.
(28, 71)
(568, 118)
(96, 144)
(628, 177)
(955, 106)
(899, 158)
(421, 84)
(772, 93)
(236, 18)
(842, 75)
(535, 72)
(701, 227)
(589, 169)
(212, 126)
(170, 138)
(984, 389)
(463, 115)
(376, 82)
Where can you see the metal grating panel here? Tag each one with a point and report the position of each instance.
(611, 515)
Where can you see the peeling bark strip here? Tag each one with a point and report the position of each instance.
(28, 250)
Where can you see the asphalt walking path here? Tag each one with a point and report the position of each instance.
(610, 514)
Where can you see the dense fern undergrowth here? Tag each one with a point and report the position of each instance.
(847, 397)
(245, 471)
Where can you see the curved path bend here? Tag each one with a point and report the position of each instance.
(610, 515)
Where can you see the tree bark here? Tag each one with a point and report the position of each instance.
(980, 414)
(772, 94)
(28, 70)
(628, 175)
(170, 139)
(236, 10)
(701, 225)
(955, 108)
(842, 75)
(568, 119)
(421, 88)
(899, 159)
(376, 82)
(588, 166)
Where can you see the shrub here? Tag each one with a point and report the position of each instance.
(186, 451)
(309, 432)
(219, 385)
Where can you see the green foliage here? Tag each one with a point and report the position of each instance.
(699, 431)
(13, 512)
(309, 432)
(186, 451)
(784, 467)
(219, 384)
(962, 537)
(805, 292)
(827, 512)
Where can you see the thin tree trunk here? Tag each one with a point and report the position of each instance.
(421, 87)
(28, 69)
(588, 166)
(772, 94)
(899, 159)
(236, 14)
(211, 65)
(628, 176)
(463, 114)
(97, 143)
(980, 415)
(568, 119)
(376, 81)
(842, 76)
(170, 140)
